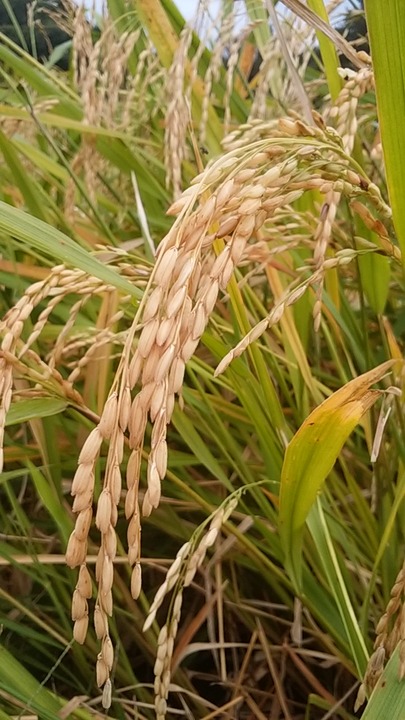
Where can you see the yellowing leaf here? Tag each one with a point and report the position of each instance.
(311, 454)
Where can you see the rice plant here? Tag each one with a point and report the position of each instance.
(201, 367)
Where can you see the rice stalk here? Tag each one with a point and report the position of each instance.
(99, 71)
(344, 110)
(58, 284)
(221, 78)
(213, 72)
(179, 576)
(177, 116)
(266, 167)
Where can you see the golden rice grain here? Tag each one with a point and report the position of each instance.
(176, 375)
(246, 226)
(211, 297)
(159, 456)
(84, 582)
(147, 338)
(79, 605)
(110, 543)
(188, 348)
(100, 623)
(91, 447)
(133, 466)
(166, 331)
(135, 369)
(103, 514)
(115, 483)
(101, 671)
(83, 522)
(153, 303)
(106, 602)
(184, 274)
(226, 273)
(131, 501)
(136, 581)
(84, 499)
(164, 363)
(157, 400)
(133, 532)
(227, 226)
(81, 477)
(107, 652)
(165, 267)
(107, 575)
(137, 427)
(154, 485)
(80, 628)
(124, 411)
(219, 265)
(76, 551)
(147, 391)
(176, 302)
(149, 372)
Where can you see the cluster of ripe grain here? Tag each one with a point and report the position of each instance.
(224, 208)
(177, 113)
(110, 429)
(390, 632)
(227, 31)
(266, 167)
(345, 112)
(317, 161)
(53, 290)
(179, 576)
(100, 71)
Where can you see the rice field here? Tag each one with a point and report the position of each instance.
(201, 363)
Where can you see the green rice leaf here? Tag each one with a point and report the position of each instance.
(25, 184)
(52, 242)
(26, 410)
(375, 275)
(328, 51)
(388, 697)
(322, 538)
(51, 500)
(15, 679)
(386, 26)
